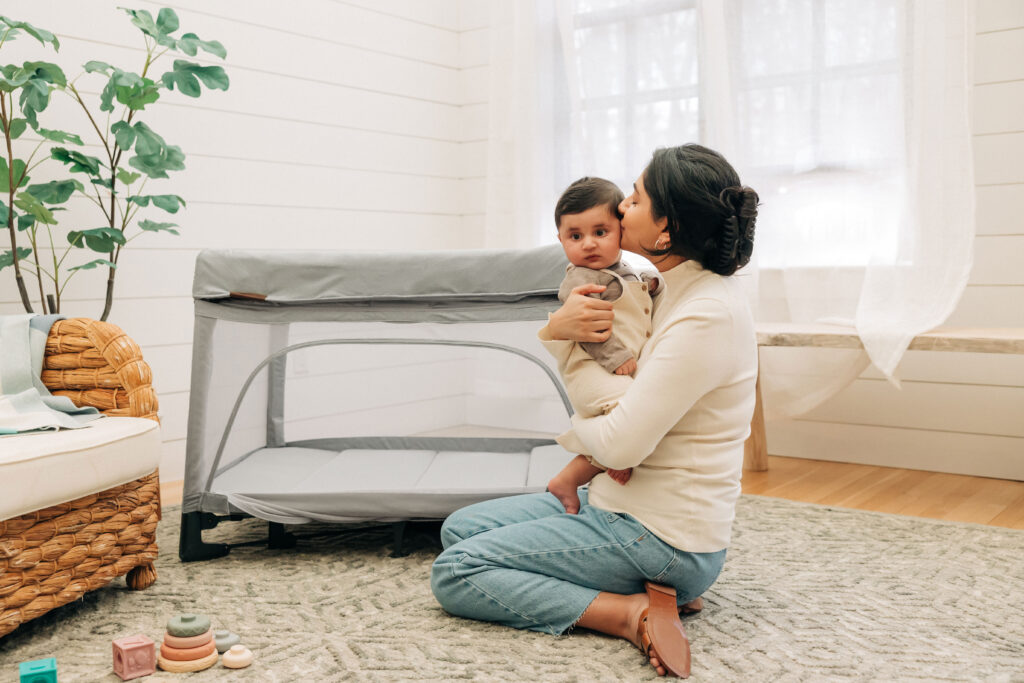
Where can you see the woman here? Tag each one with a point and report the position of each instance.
(633, 553)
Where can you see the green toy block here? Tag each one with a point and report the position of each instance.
(39, 671)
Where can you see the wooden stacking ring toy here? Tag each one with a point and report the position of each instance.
(175, 667)
(189, 654)
(181, 643)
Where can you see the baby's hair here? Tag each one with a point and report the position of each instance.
(586, 193)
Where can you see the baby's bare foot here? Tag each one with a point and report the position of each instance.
(566, 494)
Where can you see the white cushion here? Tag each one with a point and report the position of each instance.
(40, 469)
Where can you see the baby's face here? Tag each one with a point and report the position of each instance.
(591, 238)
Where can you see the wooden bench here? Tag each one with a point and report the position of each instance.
(971, 340)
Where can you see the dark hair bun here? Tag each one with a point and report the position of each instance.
(735, 242)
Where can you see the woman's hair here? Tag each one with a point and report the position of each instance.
(586, 193)
(711, 216)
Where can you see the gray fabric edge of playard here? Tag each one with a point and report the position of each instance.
(338, 276)
(345, 505)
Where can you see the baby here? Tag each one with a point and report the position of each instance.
(587, 218)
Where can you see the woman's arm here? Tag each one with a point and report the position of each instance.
(692, 357)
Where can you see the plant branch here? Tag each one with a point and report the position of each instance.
(6, 122)
(103, 138)
(56, 269)
(39, 268)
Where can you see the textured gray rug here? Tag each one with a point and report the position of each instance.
(809, 593)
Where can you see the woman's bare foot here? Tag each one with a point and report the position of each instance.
(620, 615)
(565, 492)
(636, 615)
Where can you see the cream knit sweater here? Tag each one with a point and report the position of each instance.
(682, 423)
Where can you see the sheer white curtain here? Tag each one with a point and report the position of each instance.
(527, 166)
(850, 118)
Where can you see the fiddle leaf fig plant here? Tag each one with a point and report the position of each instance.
(131, 153)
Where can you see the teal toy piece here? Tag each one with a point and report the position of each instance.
(188, 625)
(38, 671)
(225, 639)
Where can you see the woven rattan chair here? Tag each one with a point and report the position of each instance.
(53, 556)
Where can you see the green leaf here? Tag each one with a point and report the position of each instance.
(17, 127)
(154, 157)
(5, 176)
(148, 141)
(127, 177)
(124, 134)
(55, 191)
(29, 204)
(13, 77)
(35, 95)
(144, 21)
(59, 136)
(42, 35)
(186, 76)
(130, 89)
(151, 226)
(171, 158)
(190, 44)
(7, 257)
(93, 264)
(93, 67)
(80, 163)
(107, 96)
(26, 221)
(102, 240)
(167, 21)
(4, 214)
(47, 72)
(168, 202)
(138, 96)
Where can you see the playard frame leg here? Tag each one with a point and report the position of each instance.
(399, 546)
(191, 547)
(278, 538)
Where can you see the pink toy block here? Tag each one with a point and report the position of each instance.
(134, 656)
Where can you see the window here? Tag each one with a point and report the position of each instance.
(814, 91)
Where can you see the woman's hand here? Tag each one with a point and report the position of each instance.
(583, 318)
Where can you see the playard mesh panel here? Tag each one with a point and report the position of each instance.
(372, 408)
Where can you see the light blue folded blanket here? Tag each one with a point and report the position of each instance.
(25, 403)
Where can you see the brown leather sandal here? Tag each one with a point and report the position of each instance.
(660, 629)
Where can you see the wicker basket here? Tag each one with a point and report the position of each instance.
(53, 556)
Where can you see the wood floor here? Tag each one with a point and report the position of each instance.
(954, 497)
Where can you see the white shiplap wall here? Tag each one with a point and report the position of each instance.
(344, 128)
(956, 412)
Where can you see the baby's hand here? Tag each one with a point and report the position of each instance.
(620, 476)
(627, 368)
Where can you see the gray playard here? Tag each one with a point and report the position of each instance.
(348, 387)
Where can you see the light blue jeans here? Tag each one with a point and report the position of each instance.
(523, 562)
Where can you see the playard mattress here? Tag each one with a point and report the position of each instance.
(379, 479)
